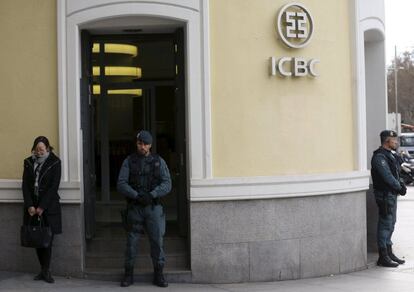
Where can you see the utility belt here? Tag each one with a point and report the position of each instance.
(131, 202)
(138, 202)
(384, 193)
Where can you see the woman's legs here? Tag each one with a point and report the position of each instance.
(45, 255)
(40, 258)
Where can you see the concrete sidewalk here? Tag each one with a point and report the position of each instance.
(374, 279)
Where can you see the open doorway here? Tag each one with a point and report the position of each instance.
(132, 81)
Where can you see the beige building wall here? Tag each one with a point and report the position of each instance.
(266, 125)
(28, 100)
(261, 125)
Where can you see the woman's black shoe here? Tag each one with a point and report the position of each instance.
(38, 277)
(47, 277)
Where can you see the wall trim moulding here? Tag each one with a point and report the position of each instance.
(249, 188)
(232, 189)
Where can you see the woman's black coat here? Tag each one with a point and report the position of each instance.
(49, 180)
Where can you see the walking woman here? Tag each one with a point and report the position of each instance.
(41, 179)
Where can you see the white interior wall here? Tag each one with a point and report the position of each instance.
(375, 86)
(376, 115)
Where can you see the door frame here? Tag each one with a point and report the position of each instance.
(88, 133)
(76, 15)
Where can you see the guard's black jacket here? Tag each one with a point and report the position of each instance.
(385, 170)
(48, 200)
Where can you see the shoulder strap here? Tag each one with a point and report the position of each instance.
(133, 163)
(155, 168)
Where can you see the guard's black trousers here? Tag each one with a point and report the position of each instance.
(152, 220)
(387, 218)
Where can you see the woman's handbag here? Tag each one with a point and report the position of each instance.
(36, 235)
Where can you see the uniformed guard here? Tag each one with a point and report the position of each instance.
(143, 179)
(385, 169)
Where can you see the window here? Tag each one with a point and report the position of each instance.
(407, 141)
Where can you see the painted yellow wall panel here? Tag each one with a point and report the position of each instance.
(264, 125)
(28, 80)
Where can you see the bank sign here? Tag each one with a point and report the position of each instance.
(295, 29)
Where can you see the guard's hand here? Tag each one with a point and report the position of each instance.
(403, 190)
(144, 199)
(31, 210)
(147, 198)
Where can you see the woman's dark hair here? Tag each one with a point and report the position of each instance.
(44, 140)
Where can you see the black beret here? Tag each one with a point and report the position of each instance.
(388, 133)
(145, 137)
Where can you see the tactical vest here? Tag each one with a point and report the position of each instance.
(392, 162)
(147, 178)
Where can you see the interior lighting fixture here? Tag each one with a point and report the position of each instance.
(132, 91)
(118, 71)
(116, 49)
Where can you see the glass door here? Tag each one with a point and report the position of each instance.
(136, 82)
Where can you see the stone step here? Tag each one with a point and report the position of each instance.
(117, 245)
(115, 275)
(106, 250)
(112, 230)
(178, 261)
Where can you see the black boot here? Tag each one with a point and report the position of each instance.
(128, 277)
(384, 260)
(44, 255)
(159, 279)
(393, 257)
(47, 277)
(39, 252)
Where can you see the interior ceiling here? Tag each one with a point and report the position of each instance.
(133, 24)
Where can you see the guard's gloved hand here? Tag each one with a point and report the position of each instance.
(403, 190)
(144, 199)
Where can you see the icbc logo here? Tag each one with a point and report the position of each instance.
(295, 28)
(295, 25)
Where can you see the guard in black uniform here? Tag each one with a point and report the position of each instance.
(143, 179)
(385, 169)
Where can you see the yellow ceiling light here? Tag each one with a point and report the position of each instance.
(118, 71)
(117, 49)
(132, 91)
